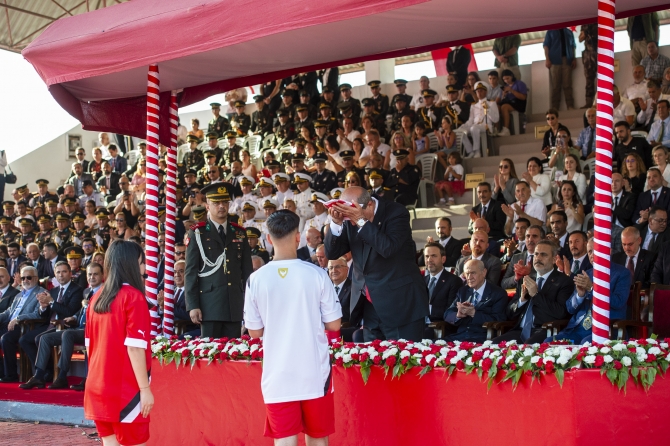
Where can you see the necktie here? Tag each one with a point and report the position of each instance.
(631, 266)
(54, 316)
(431, 287)
(575, 267)
(337, 290)
(652, 242)
(654, 197)
(589, 147)
(530, 259)
(527, 322)
(483, 211)
(113, 163)
(222, 234)
(475, 298)
(616, 203)
(523, 207)
(108, 186)
(661, 132)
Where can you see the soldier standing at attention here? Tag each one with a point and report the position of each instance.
(589, 35)
(218, 124)
(218, 264)
(381, 100)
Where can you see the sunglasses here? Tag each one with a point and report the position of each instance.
(28, 278)
(119, 221)
(179, 253)
(503, 166)
(630, 161)
(550, 118)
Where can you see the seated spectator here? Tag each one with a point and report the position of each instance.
(634, 174)
(638, 89)
(446, 139)
(489, 210)
(639, 262)
(570, 203)
(406, 178)
(623, 206)
(517, 242)
(109, 183)
(494, 93)
(479, 243)
(453, 182)
(483, 118)
(659, 132)
(532, 209)
(665, 84)
(558, 225)
(468, 92)
(521, 263)
(657, 195)
(539, 301)
(655, 232)
(627, 144)
(452, 246)
(478, 302)
(116, 160)
(624, 110)
(195, 129)
(586, 141)
(180, 313)
(563, 148)
(505, 182)
(660, 157)
(549, 139)
(579, 304)
(514, 95)
(538, 181)
(494, 245)
(661, 271)
(77, 180)
(95, 166)
(654, 63)
(25, 307)
(320, 258)
(420, 142)
(442, 285)
(7, 291)
(375, 145)
(338, 270)
(647, 113)
(313, 238)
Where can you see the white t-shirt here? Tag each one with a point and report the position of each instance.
(292, 300)
(383, 149)
(458, 170)
(625, 108)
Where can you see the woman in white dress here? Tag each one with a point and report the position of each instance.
(569, 202)
(540, 185)
(573, 172)
(660, 156)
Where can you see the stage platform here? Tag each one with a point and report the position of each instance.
(221, 404)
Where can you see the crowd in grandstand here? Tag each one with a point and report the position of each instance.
(529, 228)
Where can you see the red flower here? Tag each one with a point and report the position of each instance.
(502, 344)
(377, 360)
(540, 362)
(528, 373)
(599, 361)
(223, 340)
(642, 341)
(487, 364)
(339, 362)
(174, 337)
(222, 356)
(632, 348)
(235, 354)
(549, 367)
(651, 357)
(185, 353)
(501, 362)
(197, 352)
(512, 366)
(476, 356)
(390, 361)
(617, 365)
(404, 360)
(364, 357)
(354, 356)
(460, 365)
(451, 354)
(246, 337)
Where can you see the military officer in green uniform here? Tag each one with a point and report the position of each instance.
(401, 109)
(213, 146)
(430, 114)
(27, 234)
(381, 100)
(232, 153)
(346, 99)
(218, 123)
(326, 115)
(62, 236)
(405, 177)
(103, 234)
(253, 235)
(42, 193)
(218, 264)
(44, 236)
(81, 231)
(401, 85)
(241, 122)
(378, 121)
(8, 234)
(285, 133)
(261, 119)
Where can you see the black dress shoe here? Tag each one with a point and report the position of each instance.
(32, 383)
(80, 387)
(10, 379)
(59, 383)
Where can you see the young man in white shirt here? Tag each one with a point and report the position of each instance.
(297, 390)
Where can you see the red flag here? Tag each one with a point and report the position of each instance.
(440, 60)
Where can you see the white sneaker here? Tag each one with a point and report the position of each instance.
(504, 132)
(440, 203)
(469, 155)
(477, 155)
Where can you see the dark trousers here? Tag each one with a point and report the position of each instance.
(537, 335)
(68, 341)
(412, 331)
(218, 329)
(405, 199)
(31, 340)
(46, 342)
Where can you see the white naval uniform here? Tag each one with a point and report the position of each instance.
(478, 123)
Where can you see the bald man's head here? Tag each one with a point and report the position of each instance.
(313, 238)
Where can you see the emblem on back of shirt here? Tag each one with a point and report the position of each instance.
(282, 272)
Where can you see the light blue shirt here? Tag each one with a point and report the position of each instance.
(655, 131)
(22, 302)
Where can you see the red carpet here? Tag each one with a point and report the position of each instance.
(65, 397)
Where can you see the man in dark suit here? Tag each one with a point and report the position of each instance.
(521, 264)
(338, 271)
(639, 262)
(442, 285)
(657, 195)
(77, 180)
(386, 277)
(7, 291)
(494, 247)
(308, 251)
(67, 338)
(661, 271)
(452, 246)
(540, 301)
(180, 313)
(623, 206)
(109, 182)
(655, 232)
(52, 258)
(118, 163)
(558, 222)
(489, 210)
(577, 241)
(479, 242)
(329, 77)
(215, 299)
(59, 303)
(478, 302)
(458, 61)
(34, 257)
(579, 304)
(15, 258)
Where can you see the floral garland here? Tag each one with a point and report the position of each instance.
(640, 359)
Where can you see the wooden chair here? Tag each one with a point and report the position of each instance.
(25, 368)
(179, 327)
(658, 303)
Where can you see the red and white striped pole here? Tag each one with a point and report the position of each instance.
(151, 243)
(170, 217)
(603, 177)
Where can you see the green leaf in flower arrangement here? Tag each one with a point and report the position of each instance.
(396, 370)
(635, 372)
(643, 378)
(654, 336)
(623, 378)
(425, 370)
(651, 375)
(560, 376)
(493, 371)
(365, 372)
(192, 361)
(612, 375)
(664, 366)
(480, 372)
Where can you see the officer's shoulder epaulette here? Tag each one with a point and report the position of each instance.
(383, 95)
(261, 249)
(240, 227)
(386, 188)
(197, 225)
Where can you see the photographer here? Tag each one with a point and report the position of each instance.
(130, 204)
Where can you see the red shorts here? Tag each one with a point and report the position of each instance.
(126, 433)
(315, 418)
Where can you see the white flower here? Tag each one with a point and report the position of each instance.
(469, 361)
(440, 342)
(495, 354)
(590, 359)
(509, 359)
(641, 357)
(626, 361)
(338, 355)
(528, 352)
(430, 358)
(633, 343)
(562, 360)
(663, 344)
(453, 360)
(487, 343)
(373, 353)
(402, 340)
(385, 344)
(592, 350)
(521, 362)
(549, 359)
(655, 351)
(605, 350)
(486, 354)
(404, 354)
(640, 351)
(417, 355)
(204, 339)
(652, 341)
(619, 347)
(608, 359)
(462, 354)
(534, 359)
(346, 358)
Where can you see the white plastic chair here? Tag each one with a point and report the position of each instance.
(267, 141)
(428, 164)
(253, 144)
(434, 143)
(590, 165)
(587, 219)
(639, 133)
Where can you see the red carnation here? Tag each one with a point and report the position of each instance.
(651, 357)
(223, 340)
(549, 367)
(413, 351)
(599, 361)
(234, 354)
(185, 353)
(501, 362)
(451, 354)
(460, 365)
(339, 362)
(540, 362)
(197, 352)
(404, 360)
(617, 365)
(174, 337)
(377, 360)
(476, 356)
(364, 357)
(502, 344)
(354, 356)
(246, 337)
(512, 366)
(487, 364)
(390, 361)
(222, 356)
(528, 373)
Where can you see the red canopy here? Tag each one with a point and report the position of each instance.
(95, 64)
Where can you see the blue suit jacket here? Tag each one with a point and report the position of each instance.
(120, 164)
(491, 307)
(619, 291)
(30, 309)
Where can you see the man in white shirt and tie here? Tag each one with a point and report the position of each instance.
(659, 132)
(338, 271)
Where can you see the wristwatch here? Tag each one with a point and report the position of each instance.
(360, 222)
